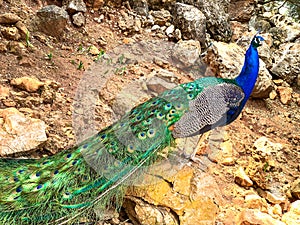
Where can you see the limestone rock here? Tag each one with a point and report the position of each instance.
(242, 179)
(272, 95)
(264, 84)
(292, 217)
(155, 28)
(125, 22)
(279, 35)
(16, 47)
(145, 214)
(191, 21)
(140, 6)
(52, 20)
(160, 193)
(4, 91)
(166, 75)
(129, 23)
(262, 162)
(287, 62)
(22, 29)
(275, 210)
(27, 83)
(285, 94)
(3, 47)
(191, 198)
(177, 34)
(217, 18)
(241, 10)
(11, 33)
(275, 198)
(169, 31)
(286, 30)
(202, 211)
(20, 133)
(187, 52)
(74, 6)
(158, 85)
(238, 29)
(161, 17)
(9, 18)
(78, 19)
(93, 50)
(254, 201)
(254, 216)
(260, 23)
(226, 156)
(293, 32)
(295, 189)
(220, 58)
(128, 98)
(264, 145)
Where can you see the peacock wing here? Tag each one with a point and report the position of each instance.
(214, 106)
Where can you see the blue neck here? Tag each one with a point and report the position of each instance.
(247, 78)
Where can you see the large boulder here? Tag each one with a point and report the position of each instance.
(191, 22)
(287, 62)
(52, 20)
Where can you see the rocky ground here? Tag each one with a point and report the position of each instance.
(246, 173)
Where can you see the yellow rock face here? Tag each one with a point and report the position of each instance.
(185, 194)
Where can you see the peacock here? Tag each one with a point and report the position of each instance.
(68, 186)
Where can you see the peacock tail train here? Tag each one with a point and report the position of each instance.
(67, 186)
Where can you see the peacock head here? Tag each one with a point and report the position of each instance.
(257, 41)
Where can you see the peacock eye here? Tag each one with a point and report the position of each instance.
(142, 135)
(172, 111)
(155, 102)
(190, 96)
(169, 116)
(103, 136)
(130, 148)
(159, 115)
(151, 133)
(118, 164)
(178, 106)
(168, 106)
